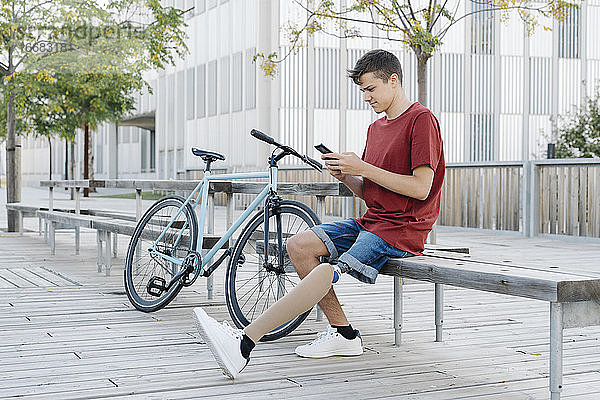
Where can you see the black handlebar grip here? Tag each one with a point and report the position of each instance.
(314, 163)
(261, 136)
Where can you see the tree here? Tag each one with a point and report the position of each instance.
(420, 25)
(579, 132)
(76, 36)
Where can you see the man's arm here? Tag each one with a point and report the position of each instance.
(416, 185)
(354, 184)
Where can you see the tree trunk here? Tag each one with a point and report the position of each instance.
(50, 147)
(86, 146)
(72, 165)
(66, 159)
(422, 59)
(13, 161)
(91, 160)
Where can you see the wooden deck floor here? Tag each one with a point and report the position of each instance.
(68, 332)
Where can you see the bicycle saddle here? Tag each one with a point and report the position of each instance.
(207, 156)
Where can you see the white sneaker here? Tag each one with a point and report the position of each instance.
(223, 341)
(331, 343)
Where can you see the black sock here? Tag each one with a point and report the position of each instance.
(246, 346)
(346, 331)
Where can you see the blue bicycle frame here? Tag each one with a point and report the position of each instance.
(193, 200)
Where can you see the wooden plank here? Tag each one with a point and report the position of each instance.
(35, 279)
(53, 278)
(545, 200)
(16, 280)
(553, 198)
(596, 222)
(573, 200)
(563, 188)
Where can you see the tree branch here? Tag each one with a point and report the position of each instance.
(339, 17)
(443, 32)
(367, 37)
(36, 6)
(398, 11)
(412, 13)
(440, 13)
(431, 14)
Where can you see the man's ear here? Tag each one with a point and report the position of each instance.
(394, 79)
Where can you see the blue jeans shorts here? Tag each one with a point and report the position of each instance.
(356, 251)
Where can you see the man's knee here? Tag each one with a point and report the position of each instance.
(304, 244)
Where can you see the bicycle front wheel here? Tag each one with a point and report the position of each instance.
(252, 283)
(147, 275)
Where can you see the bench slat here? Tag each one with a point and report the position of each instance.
(456, 270)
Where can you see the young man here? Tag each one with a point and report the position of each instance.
(399, 176)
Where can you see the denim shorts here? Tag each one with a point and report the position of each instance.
(356, 250)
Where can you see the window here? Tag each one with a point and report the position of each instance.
(99, 158)
(250, 79)
(180, 108)
(355, 96)
(482, 29)
(327, 78)
(540, 78)
(201, 91)
(190, 87)
(152, 151)
(452, 86)
(482, 138)
(144, 152)
(224, 85)
(189, 8)
(200, 6)
(236, 82)
(212, 88)
(568, 35)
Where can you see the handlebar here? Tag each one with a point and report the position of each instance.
(286, 150)
(264, 137)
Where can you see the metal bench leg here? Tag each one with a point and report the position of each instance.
(39, 226)
(107, 254)
(209, 281)
(45, 230)
(556, 350)
(397, 310)
(52, 237)
(99, 256)
(114, 249)
(439, 311)
(319, 314)
(77, 230)
(20, 219)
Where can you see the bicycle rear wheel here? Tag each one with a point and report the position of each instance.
(251, 285)
(146, 273)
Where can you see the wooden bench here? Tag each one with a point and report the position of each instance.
(573, 297)
(29, 211)
(105, 227)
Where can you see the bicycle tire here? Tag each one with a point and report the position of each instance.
(244, 248)
(141, 266)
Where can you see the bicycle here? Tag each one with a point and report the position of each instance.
(162, 257)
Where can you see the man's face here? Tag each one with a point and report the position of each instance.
(377, 93)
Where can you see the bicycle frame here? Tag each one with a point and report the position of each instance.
(193, 200)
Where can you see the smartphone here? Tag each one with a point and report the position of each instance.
(323, 149)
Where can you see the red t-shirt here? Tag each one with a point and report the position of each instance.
(400, 145)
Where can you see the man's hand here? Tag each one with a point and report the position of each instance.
(344, 164)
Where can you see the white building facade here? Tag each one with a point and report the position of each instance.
(494, 88)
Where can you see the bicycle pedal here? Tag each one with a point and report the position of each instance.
(156, 286)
